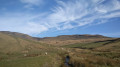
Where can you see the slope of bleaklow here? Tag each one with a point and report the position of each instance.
(106, 45)
(10, 43)
(16, 34)
(72, 39)
(110, 45)
(18, 51)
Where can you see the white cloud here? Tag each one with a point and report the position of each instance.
(30, 3)
(30, 28)
(21, 22)
(33, 28)
(84, 12)
(111, 15)
(33, 2)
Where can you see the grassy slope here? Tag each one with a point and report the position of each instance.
(72, 39)
(102, 54)
(14, 44)
(25, 62)
(12, 52)
(85, 45)
(99, 45)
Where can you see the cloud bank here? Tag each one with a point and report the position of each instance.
(30, 3)
(65, 15)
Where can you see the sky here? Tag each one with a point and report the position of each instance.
(48, 18)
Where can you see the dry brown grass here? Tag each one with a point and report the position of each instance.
(66, 42)
(10, 44)
(89, 60)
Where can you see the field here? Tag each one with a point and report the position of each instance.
(33, 59)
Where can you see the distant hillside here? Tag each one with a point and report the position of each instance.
(16, 34)
(61, 37)
(73, 37)
(110, 45)
(106, 45)
(17, 42)
(59, 40)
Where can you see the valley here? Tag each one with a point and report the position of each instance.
(21, 50)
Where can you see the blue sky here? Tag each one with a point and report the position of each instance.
(46, 18)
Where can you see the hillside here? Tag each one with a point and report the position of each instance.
(106, 45)
(110, 45)
(19, 51)
(16, 42)
(72, 39)
(95, 54)
(19, 35)
(59, 40)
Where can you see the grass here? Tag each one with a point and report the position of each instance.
(26, 62)
(36, 58)
(81, 56)
(111, 55)
(91, 60)
(86, 45)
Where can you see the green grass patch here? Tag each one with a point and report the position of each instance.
(26, 62)
(86, 45)
(109, 55)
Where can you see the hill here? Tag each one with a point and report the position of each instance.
(106, 45)
(59, 40)
(72, 39)
(110, 45)
(19, 50)
(19, 35)
(95, 54)
(17, 42)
